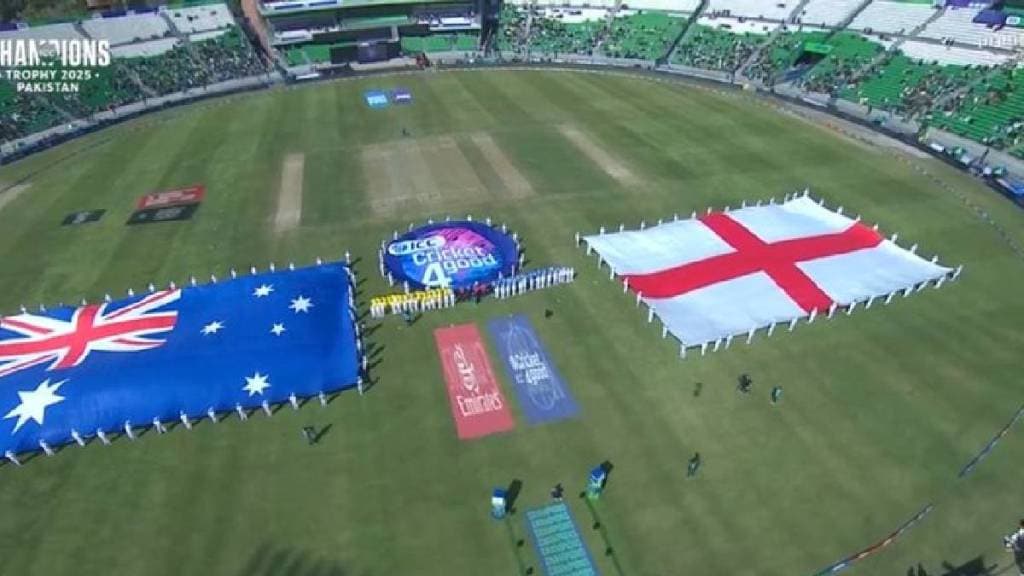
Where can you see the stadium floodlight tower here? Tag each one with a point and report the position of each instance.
(312, 36)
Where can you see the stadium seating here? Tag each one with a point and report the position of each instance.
(956, 24)
(738, 25)
(955, 55)
(568, 4)
(126, 29)
(148, 59)
(714, 49)
(511, 36)
(892, 17)
(907, 86)
(553, 31)
(850, 53)
(200, 18)
(782, 53)
(439, 43)
(111, 86)
(767, 9)
(153, 57)
(643, 35)
(141, 49)
(991, 113)
(182, 67)
(687, 6)
(47, 32)
(827, 13)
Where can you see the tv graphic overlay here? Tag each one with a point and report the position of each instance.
(455, 255)
(52, 66)
(478, 407)
(83, 217)
(542, 393)
(168, 205)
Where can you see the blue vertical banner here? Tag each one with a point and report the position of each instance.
(542, 393)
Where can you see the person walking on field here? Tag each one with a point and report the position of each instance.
(1015, 543)
(693, 465)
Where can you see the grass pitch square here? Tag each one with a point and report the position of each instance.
(558, 542)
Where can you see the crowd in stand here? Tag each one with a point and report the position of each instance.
(713, 49)
(637, 35)
(189, 65)
(644, 36)
(979, 102)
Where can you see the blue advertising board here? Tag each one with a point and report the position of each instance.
(401, 96)
(376, 99)
(542, 393)
(453, 255)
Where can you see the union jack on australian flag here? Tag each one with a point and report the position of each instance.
(253, 339)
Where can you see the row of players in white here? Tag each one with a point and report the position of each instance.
(537, 280)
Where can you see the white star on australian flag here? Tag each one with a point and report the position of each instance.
(301, 304)
(256, 384)
(34, 403)
(263, 291)
(213, 327)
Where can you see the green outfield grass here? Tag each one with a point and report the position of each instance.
(881, 409)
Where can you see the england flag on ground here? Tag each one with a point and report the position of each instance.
(728, 273)
(180, 351)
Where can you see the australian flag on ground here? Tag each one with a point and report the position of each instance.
(237, 343)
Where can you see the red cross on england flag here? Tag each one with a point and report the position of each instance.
(728, 273)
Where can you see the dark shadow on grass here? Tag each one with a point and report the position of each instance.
(512, 494)
(274, 561)
(321, 433)
(974, 567)
(368, 330)
(369, 382)
(372, 350)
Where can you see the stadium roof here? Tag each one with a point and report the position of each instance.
(271, 9)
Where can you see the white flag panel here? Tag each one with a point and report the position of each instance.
(841, 260)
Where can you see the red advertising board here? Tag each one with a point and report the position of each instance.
(478, 406)
(181, 196)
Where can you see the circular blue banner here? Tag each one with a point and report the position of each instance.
(450, 255)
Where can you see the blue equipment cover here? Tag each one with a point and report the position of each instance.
(258, 338)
